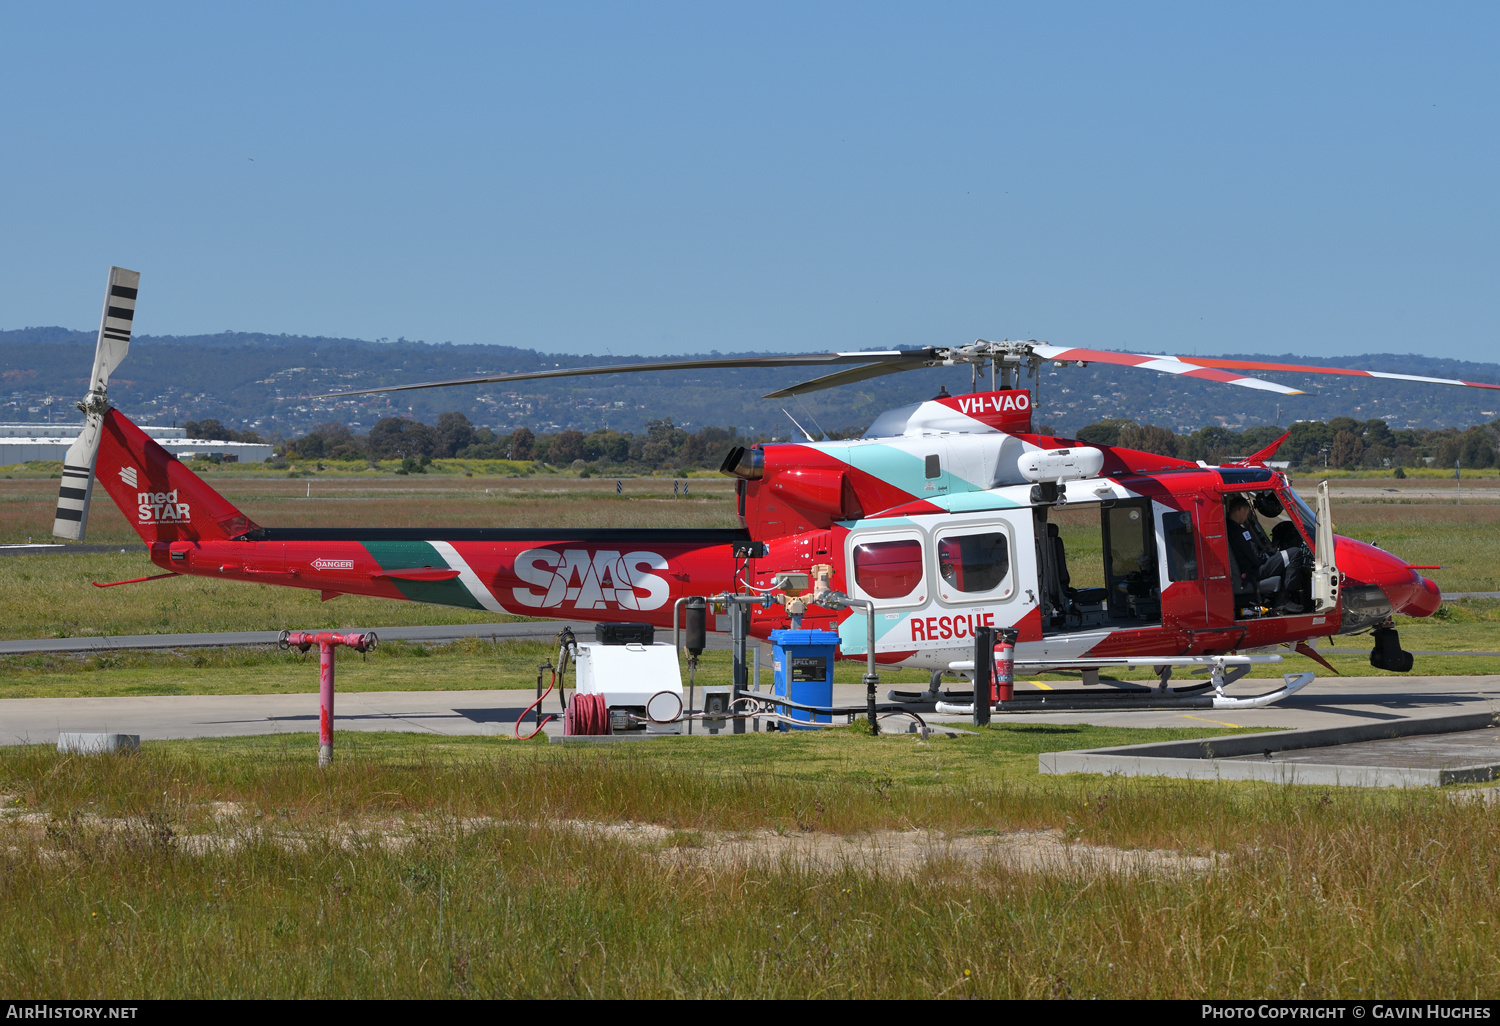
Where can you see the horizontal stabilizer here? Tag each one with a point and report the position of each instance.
(420, 574)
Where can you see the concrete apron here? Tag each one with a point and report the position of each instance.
(1426, 752)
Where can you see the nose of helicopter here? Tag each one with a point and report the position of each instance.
(1410, 593)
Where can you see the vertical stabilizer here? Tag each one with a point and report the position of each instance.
(163, 500)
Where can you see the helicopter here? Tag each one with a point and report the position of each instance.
(948, 516)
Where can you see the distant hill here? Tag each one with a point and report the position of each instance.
(254, 381)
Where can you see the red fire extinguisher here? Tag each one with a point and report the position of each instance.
(1004, 687)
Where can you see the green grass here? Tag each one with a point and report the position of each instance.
(470, 664)
(1312, 894)
(54, 597)
(479, 663)
(731, 782)
(48, 470)
(353, 500)
(466, 665)
(1463, 540)
(1309, 481)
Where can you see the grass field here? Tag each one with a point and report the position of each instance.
(477, 663)
(27, 506)
(828, 865)
(53, 597)
(470, 664)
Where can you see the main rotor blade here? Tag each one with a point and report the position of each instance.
(718, 363)
(1193, 368)
(1300, 368)
(848, 377)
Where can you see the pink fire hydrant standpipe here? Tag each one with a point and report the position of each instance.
(326, 642)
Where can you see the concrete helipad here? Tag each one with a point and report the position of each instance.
(1423, 751)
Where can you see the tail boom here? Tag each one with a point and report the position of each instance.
(595, 575)
(607, 575)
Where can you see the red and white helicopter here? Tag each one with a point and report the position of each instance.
(944, 517)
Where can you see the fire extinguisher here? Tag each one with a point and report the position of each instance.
(1004, 687)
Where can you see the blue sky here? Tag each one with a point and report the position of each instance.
(682, 178)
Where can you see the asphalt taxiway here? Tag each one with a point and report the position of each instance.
(1328, 702)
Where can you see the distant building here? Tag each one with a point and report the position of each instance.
(23, 443)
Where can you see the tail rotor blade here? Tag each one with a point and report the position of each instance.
(115, 324)
(77, 486)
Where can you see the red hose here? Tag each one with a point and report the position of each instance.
(527, 712)
(587, 714)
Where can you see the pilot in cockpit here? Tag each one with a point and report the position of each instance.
(1266, 568)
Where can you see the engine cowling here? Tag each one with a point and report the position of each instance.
(816, 489)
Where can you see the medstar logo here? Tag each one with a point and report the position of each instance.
(591, 581)
(127, 474)
(161, 508)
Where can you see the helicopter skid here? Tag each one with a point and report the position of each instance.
(1134, 700)
(962, 697)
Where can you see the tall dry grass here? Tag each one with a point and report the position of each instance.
(1312, 893)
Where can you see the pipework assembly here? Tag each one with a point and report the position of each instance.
(326, 642)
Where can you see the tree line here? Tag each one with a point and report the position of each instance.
(210, 428)
(661, 446)
(1341, 443)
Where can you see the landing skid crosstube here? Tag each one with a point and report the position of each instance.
(1223, 670)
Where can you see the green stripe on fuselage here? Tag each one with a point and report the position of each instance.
(417, 555)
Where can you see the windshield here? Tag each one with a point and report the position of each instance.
(1307, 519)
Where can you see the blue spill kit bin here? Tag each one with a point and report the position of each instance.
(803, 665)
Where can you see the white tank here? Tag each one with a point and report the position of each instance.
(1070, 464)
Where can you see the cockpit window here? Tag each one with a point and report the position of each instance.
(1306, 518)
(1182, 554)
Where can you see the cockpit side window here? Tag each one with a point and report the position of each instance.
(1298, 510)
(1182, 553)
(973, 563)
(888, 569)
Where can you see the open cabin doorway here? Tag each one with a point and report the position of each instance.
(1271, 560)
(1097, 564)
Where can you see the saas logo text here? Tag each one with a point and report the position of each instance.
(160, 508)
(600, 580)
